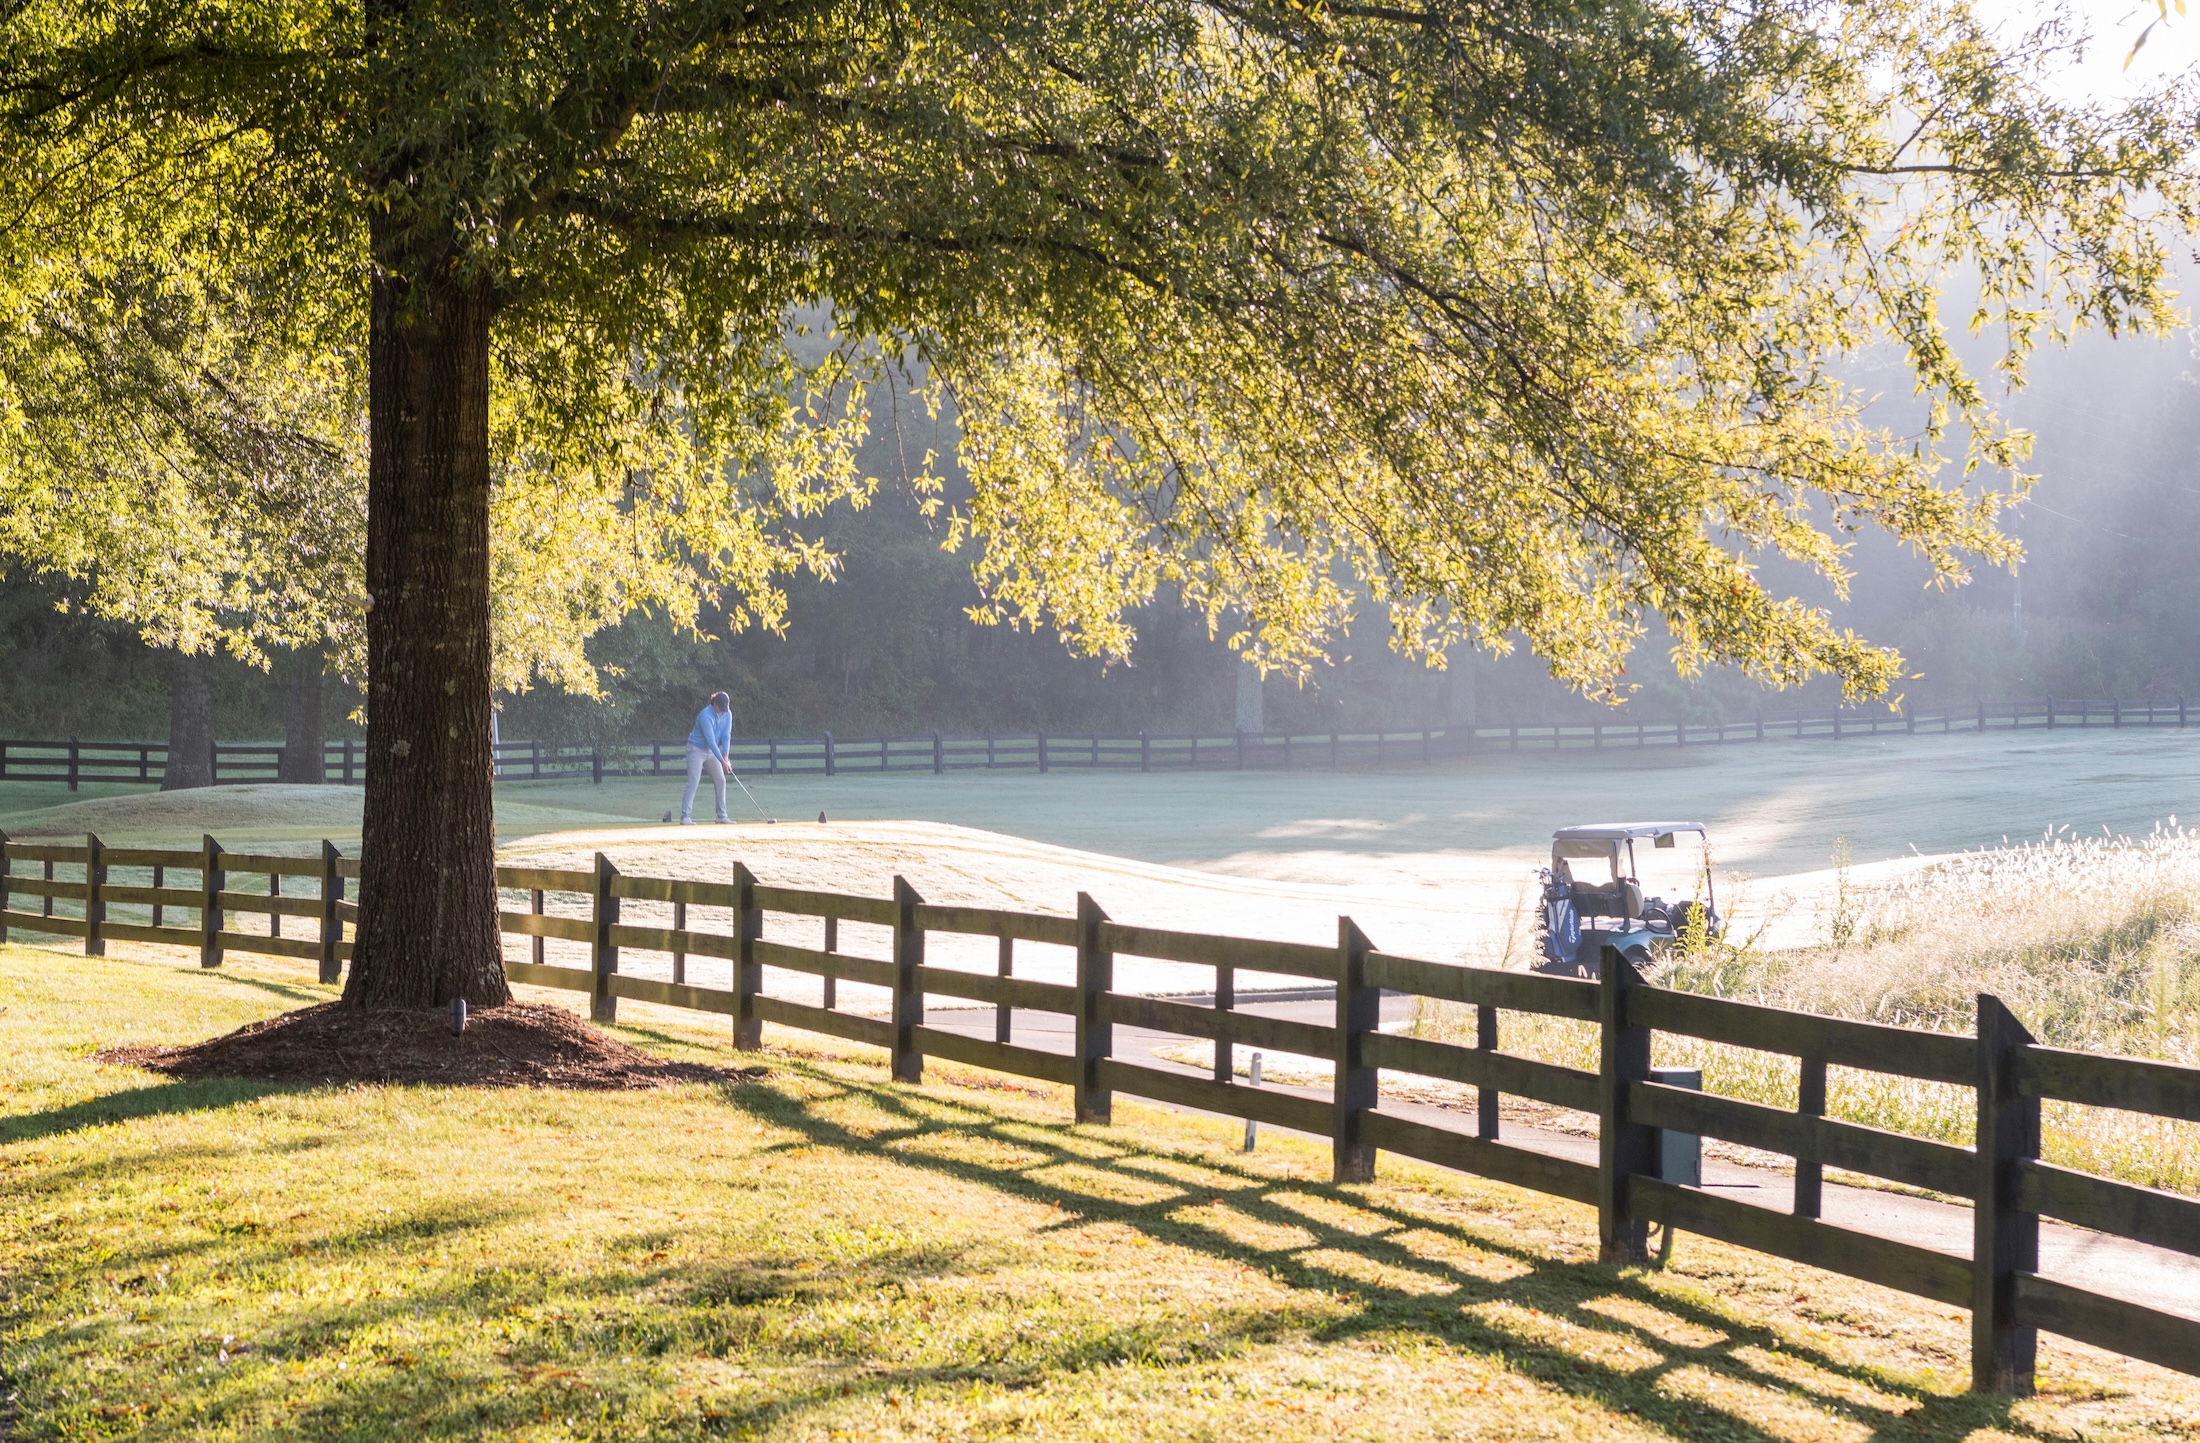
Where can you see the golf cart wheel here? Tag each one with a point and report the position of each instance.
(1639, 956)
(1686, 915)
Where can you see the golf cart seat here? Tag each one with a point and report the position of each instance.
(1622, 898)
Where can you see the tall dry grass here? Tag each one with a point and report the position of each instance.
(2093, 941)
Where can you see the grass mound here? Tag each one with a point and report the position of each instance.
(512, 1046)
(250, 808)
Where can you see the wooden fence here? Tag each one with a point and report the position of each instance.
(75, 761)
(2002, 1174)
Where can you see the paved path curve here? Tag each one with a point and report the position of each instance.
(2119, 1267)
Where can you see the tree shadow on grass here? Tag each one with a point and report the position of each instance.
(1363, 1258)
(1536, 1321)
(161, 1099)
(288, 991)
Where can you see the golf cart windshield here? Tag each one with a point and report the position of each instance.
(1673, 867)
(1595, 862)
(1668, 859)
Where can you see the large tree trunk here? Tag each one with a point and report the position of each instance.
(427, 885)
(190, 726)
(305, 732)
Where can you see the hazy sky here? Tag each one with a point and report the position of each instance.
(2173, 46)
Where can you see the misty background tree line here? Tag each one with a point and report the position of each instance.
(2103, 606)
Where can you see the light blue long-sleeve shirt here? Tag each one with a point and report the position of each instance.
(713, 731)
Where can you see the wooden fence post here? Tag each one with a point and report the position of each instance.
(1359, 1012)
(1004, 966)
(332, 913)
(1810, 1175)
(73, 763)
(2006, 1239)
(1145, 749)
(1485, 1098)
(210, 904)
(1095, 1033)
(7, 867)
(595, 763)
(748, 975)
(1624, 1149)
(95, 901)
(828, 754)
(602, 1006)
(1042, 752)
(908, 1062)
(939, 754)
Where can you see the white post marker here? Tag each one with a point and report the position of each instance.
(1252, 1128)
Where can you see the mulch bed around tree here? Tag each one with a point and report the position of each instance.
(516, 1045)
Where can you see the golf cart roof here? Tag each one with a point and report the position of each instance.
(1621, 831)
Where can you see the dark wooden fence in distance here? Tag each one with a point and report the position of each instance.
(2002, 1174)
(75, 761)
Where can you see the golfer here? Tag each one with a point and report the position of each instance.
(710, 743)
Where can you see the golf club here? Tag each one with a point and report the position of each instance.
(744, 786)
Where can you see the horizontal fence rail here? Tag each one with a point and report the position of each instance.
(219, 902)
(76, 762)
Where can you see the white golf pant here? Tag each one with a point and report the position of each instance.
(698, 759)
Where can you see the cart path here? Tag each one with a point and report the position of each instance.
(2155, 1277)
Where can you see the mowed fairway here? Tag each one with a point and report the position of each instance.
(1436, 862)
(817, 1253)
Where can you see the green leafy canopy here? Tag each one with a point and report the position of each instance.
(1521, 320)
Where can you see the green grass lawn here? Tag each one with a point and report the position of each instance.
(824, 1254)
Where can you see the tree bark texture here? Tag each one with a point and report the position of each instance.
(427, 927)
(305, 732)
(190, 726)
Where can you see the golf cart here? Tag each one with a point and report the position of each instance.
(1597, 892)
